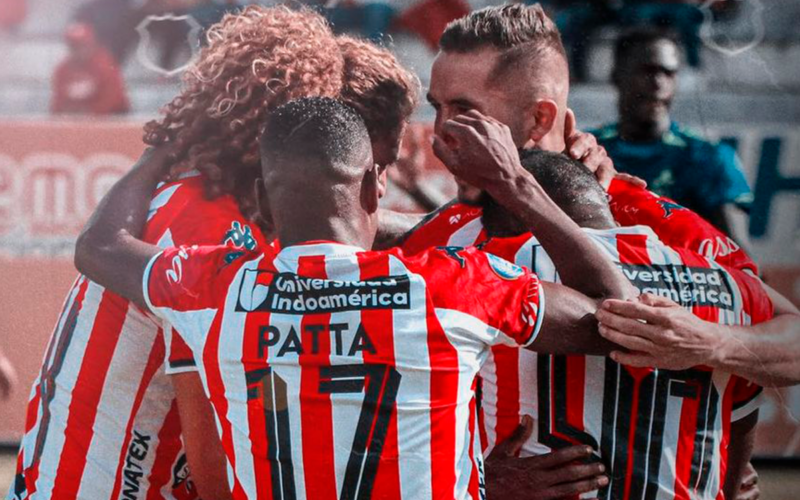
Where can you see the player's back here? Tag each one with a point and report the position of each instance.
(661, 433)
(102, 420)
(338, 372)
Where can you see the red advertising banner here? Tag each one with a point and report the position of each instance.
(53, 173)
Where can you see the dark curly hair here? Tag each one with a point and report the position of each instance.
(255, 61)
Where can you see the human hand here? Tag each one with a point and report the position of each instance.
(479, 150)
(749, 489)
(583, 146)
(658, 333)
(8, 377)
(544, 477)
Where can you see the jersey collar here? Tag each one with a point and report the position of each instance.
(320, 247)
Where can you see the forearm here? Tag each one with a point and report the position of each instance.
(107, 250)
(740, 449)
(580, 263)
(766, 354)
(569, 325)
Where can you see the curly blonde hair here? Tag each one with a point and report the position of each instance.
(255, 61)
(377, 86)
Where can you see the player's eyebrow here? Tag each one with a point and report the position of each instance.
(431, 100)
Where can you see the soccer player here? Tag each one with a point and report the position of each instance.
(659, 432)
(704, 176)
(508, 62)
(334, 371)
(103, 419)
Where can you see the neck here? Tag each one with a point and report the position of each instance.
(637, 131)
(337, 230)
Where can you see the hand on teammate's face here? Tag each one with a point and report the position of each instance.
(479, 150)
(583, 147)
(544, 477)
(657, 333)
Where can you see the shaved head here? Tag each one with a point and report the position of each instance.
(315, 136)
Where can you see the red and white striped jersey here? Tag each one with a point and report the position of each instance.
(457, 224)
(661, 434)
(102, 422)
(341, 373)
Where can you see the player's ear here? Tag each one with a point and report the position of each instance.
(372, 190)
(383, 178)
(262, 202)
(540, 119)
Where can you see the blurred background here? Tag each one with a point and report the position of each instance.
(78, 79)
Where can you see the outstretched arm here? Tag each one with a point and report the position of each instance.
(107, 250)
(481, 151)
(662, 334)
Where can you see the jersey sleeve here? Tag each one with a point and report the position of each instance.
(437, 227)
(185, 286)
(484, 295)
(746, 398)
(675, 225)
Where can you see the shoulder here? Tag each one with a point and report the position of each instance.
(437, 227)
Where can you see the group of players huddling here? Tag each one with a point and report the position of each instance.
(250, 324)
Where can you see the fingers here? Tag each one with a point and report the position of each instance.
(605, 172)
(627, 326)
(444, 152)
(570, 124)
(579, 145)
(574, 488)
(635, 310)
(630, 342)
(511, 446)
(595, 159)
(576, 472)
(560, 457)
(656, 300)
(637, 360)
(636, 181)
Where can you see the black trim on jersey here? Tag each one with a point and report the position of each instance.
(182, 363)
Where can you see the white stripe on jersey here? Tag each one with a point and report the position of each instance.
(466, 235)
(138, 335)
(288, 368)
(413, 353)
(65, 383)
(230, 347)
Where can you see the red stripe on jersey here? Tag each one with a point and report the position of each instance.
(153, 363)
(632, 249)
(316, 413)
(506, 362)
(444, 393)
(217, 391)
(638, 374)
(86, 395)
(576, 385)
(387, 480)
(169, 446)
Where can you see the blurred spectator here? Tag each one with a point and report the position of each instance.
(113, 23)
(428, 18)
(12, 13)
(88, 81)
(701, 175)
